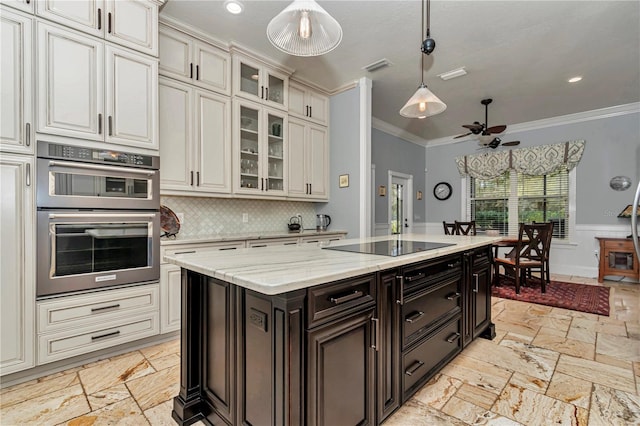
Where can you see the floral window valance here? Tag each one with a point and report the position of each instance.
(536, 160)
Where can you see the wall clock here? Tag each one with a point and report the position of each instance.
(442, 191)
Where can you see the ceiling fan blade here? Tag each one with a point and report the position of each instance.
(511, 143)
(473, 126)
(496, 129)
(462, 136)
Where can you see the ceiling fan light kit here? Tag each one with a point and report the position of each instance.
(423, 103)
(304, 28)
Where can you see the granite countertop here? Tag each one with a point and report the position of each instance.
(247, 236)
(279, 269)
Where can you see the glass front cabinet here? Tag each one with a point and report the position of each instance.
(260, 150)
(260, 83)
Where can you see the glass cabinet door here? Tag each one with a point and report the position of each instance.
(250, 79)
(249, 148)
(275, 154)
(275, 91)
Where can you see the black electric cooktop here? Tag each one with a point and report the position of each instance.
(390, 247)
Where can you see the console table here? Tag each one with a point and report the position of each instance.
(617, 257)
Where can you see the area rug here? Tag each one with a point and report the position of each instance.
(577, 297)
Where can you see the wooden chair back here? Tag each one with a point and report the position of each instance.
(466, 228)
(532, 241)
(449, 228)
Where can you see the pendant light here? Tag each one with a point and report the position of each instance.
(424, 103)
(304, 28)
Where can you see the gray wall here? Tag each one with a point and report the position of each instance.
(392, 153)
(612, 149)
(344, 151)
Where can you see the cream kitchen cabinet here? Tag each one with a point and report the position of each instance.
(93, 90)
(308, 160)
(309, 104)
(17, 263)
(170, 280)
(130, 23)
(258, 82)
(260, 150)
(24, 5)
(16, 83)
(195, 139)
(191, 60)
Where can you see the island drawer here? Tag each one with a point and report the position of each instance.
(331, 300)
(417, 276)
(422, 309)
(422, 362)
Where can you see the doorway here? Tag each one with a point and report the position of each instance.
(400, 203)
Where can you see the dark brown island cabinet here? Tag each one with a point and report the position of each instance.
(348, 352)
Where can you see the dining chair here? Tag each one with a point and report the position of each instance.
(547, 274)
(466, 228)
(449, 228)
(529, 252)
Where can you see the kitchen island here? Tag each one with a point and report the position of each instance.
(311, 335)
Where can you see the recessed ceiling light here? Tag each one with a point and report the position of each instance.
(233, 6)
(575, 79)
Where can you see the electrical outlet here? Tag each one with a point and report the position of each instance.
(245, 217)
(180, 218)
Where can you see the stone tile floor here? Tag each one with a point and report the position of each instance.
(546, 366)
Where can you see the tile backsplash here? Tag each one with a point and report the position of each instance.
(221, 216)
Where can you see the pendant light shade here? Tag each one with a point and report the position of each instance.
(422, 104)
(304, 28)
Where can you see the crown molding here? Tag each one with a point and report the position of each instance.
(392, 130)
(343, 88)
(176, 24)
(579, 117)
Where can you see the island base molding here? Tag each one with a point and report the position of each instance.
(346, 352)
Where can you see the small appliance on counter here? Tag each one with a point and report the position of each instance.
(295, 224)
(322, 222)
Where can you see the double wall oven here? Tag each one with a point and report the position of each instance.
(98, 219)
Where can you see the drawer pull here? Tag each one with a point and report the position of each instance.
(414, 317)
(105, 336)
(259, 245)
(414, 367)
(104, 308)
(453, 337)
(185, 252)
(416, 277)
(453, 296)
(228, 248)
(342, 299)
(451, 265)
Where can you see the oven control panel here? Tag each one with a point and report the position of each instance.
(95, 155)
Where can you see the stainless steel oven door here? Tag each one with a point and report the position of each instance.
(84, 250)
(69, 184)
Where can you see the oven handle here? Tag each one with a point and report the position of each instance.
(102, 168)
(108, 215)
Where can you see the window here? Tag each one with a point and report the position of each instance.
(505, 201)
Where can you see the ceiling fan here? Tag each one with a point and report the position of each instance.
(486, 138)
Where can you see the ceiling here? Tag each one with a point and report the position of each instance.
(520, 53)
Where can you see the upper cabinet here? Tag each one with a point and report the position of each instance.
(260, 83)
(130, 23)
(260, 150)
(195, 139)
(90, 91)
(16, 107)
(307, 103)
(25, 5)
(193, 61)
(308, 160)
